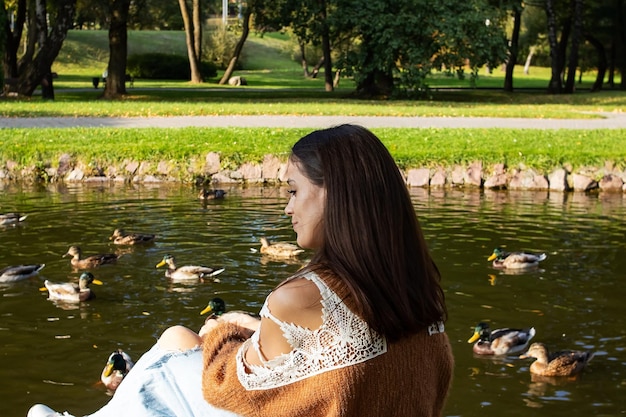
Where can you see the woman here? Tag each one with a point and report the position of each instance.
(337, 338)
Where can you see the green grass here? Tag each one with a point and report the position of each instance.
(103, 147)
(277, 86)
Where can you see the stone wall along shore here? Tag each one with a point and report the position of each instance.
(272, 169)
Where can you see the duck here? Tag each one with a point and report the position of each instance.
(11, 219)
(217, 308)
(205, 194)
(561, 363)
(187, 272)
(70, 291)
(19, 272)
(118, 365)
(279, 249)
(515, 260)
(91, 261)
(121, 237)
(500, 341)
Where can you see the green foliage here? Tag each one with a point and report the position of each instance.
(219, 46)
(406, 39)
(165, 67)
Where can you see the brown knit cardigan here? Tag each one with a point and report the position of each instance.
(411, 379)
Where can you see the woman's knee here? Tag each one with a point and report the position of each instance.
(179, 338)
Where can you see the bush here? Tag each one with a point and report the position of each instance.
(219, 47)
(165, 67)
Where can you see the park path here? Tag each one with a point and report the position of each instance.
(609, 121)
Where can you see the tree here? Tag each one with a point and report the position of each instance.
(47, 30)
(397, 43)
(118, 50)
(577, 10)
(517, 8)
(232, 63)
(193, 37)
(554, 86)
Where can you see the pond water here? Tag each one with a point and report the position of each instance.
(54, 353)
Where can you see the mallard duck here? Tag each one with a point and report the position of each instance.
(205, 194)
(70, 291)
(501, 341)
(217, 308)
(561, 363)
(120, 237)
(91, 261)
(187, 272)
(279, 249)
(116, 368)
(19, 272)
(515, 260)
(9, 219)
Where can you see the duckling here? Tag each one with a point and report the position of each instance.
(70, 291)
(19, 272)
(116, 368)
(120, 237)
(187, 272)
(205, 194)
(515, 260)
(11, 219)
(90, 261)
(501, 341)
(561, 363)
(279, 249)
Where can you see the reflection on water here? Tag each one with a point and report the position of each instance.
(54, 353)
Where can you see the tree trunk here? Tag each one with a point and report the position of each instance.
(316, 68)
(118, 50)
(602, 61)
(554, 86)
(621, 29)
(577, 7)
(194, 60)
(510, 64)
(239, 47)
(303, 61)
(13, 40)
(529, 59)
(197, 29)
(43, 46)
(328, 64)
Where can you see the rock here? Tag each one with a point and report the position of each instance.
(75, 175)
(270, 168)
(611, 183)
(439, 178)
(583, 183)
(251, 172)
(65, 164)
(558, 180)
(418, 177)
(212, 163)
(474, 174)
(457, 176)
(237, 81)
(499, 179)
(132, 167)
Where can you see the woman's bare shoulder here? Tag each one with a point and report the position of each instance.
(298, 302)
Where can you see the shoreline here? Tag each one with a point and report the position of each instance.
(272, 169)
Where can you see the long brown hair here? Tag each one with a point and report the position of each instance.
(373, 243)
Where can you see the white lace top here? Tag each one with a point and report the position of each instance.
(342, 340)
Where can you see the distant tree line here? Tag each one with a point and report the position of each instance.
(387, 46)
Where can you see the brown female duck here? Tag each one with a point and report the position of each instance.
(91, 261)
(561, 363)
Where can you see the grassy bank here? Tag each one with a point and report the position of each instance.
(539, 149)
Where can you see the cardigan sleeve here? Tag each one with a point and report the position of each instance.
(220, 384)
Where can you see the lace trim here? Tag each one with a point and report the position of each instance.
(342, 340)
